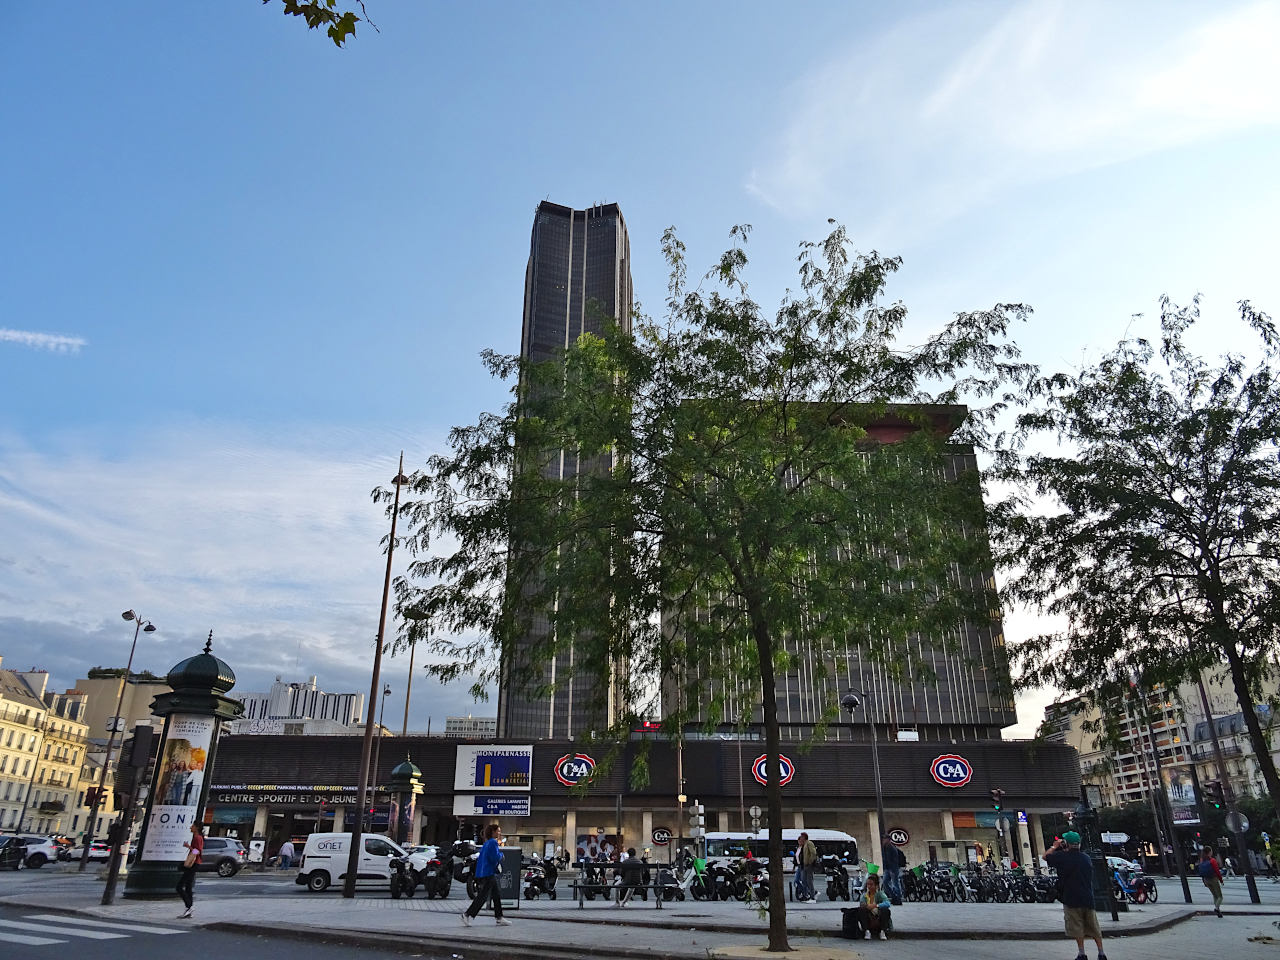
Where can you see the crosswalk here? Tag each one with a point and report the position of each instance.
(42, 929)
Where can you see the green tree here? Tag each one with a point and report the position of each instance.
(339, 24)
(751, 506)
(1145, 518)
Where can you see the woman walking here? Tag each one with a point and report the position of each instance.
(488, 865)
(187, 882)
(1211, 875)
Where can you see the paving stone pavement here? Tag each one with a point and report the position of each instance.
(951, 931)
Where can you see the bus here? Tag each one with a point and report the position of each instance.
(731, 846)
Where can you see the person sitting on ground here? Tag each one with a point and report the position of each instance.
(874, 911)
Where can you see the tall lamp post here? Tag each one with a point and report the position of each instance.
(353, 858)
(851, 701)
(377, 750)
(140, 625)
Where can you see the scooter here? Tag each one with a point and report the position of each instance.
(465, 853)
(437, 876)
(539, 878)
(691, 876)
(404, 882)
(751, 881)
(837, 877)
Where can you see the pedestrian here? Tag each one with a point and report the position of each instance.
(1075, 881)
(488, 866)
(1211, 877)
(187, 882)
(894, 861)
(874, 910)
(806, 857)
(630, 877)
(286, 854)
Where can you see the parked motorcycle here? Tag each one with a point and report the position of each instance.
(750, 881)
(404, 882)
(593, 877)
(837, 872)
(437, 876)
(465, 853)
(539, 878)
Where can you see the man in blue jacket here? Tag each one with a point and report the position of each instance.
(488, 866)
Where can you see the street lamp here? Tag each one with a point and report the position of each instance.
(366, 748)
(851, 701)
(96, 800)
(377, 753)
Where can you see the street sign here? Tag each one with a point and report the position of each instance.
(1237, 822)
(1115, 838)
(755, 811)
(661, 836)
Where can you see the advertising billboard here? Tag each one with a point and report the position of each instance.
(178, 779)
(484, 769)
(1179, 787)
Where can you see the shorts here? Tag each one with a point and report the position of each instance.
(1081, 922)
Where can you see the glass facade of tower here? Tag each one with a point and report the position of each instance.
(578, 278)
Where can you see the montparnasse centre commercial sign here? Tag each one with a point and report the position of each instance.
(492, 781)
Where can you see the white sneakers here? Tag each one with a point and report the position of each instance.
(504, 922)
(466, 920)
(185, 914)
(882, 935)
(866, 934)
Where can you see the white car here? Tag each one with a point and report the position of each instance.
(40, 850)
(1123, 865)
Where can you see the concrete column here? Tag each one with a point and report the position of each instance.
(948, 826)
(873, 835)
(571, 833)
(646, 829)
(260, 822)
(722, 818)
(339, 819)
(1023, 854)
(799, 824)
(1037, 837)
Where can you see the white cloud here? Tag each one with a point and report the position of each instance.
(932, 117)
(53, 342)
(270, 540)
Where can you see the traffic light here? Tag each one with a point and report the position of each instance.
(91, 796)
(997, 798)
(697, 819)
(1213, 793)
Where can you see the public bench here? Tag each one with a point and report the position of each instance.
(609, 890)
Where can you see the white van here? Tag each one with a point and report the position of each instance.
(325, 857)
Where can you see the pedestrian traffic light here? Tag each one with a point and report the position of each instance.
(997, 798)
(697, 819)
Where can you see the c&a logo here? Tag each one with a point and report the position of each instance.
(951, 770)
(573, 768)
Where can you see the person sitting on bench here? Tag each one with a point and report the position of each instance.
(630, 874)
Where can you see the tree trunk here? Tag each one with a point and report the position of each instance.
(1261, 746)
(773, 792)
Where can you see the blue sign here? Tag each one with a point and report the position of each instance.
(1022, 816)
(951, 770)
(500, 806)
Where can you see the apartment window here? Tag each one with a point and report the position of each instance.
(22, 738)
(47, 748)
(4, 762)
(75, 821)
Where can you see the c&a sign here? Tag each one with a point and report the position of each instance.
(574, 768)
(951, 770)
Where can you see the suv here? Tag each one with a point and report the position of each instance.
(224, 854)
(13, 853)
(40, 850)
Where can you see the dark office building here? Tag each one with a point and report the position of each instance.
(578, 277)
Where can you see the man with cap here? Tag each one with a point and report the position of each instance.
(1075, 874)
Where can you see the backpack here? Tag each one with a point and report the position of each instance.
(1205, 869)
(850, 928)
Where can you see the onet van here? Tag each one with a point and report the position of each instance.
(325, 857)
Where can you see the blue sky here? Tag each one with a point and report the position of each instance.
(240, 269)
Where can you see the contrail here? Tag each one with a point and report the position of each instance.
(43, 341)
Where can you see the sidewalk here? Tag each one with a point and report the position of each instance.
(543, 928)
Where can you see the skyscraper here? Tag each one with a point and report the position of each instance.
(578, 277)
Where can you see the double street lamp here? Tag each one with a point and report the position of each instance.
(851, 701)
(95, 800)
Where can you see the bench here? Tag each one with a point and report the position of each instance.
(610, 889)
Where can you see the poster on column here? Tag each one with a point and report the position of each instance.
(179, 778)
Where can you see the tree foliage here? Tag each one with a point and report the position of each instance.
(750, 509)
(1145, 516)
(339, 24)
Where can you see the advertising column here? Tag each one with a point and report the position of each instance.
(179, 778)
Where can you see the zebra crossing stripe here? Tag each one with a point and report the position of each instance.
(106, 924)
(44, 928)
(27, 941)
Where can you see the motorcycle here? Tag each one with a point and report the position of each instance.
(404, 882)
(593, 877)
(669, 886)
(437, 876)
(465, 853)
(539, 878)
(691, 876)
(750, 881)
(837, 876)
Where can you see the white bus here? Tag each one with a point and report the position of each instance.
(730, 846)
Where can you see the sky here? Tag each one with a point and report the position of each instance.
(241, 270)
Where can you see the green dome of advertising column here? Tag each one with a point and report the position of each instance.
(194, 713)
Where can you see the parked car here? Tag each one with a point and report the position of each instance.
(40, 850)
(1123, 865)
(98, 850)
(226, 855)
(13, 853)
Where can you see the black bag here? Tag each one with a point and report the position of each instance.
(850, 928)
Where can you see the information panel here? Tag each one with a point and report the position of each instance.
(481, 805)
(483, 769)
(510, 877)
